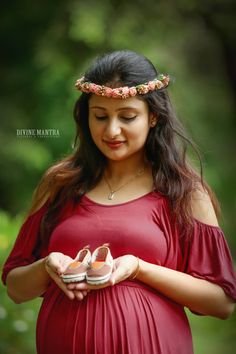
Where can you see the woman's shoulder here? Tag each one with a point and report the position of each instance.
(202, 207)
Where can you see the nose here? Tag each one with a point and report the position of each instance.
(113, 128)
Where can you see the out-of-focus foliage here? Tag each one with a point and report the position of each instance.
(17, 322)
(47, 45)
(213, 336)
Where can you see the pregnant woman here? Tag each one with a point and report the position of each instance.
(129, 185)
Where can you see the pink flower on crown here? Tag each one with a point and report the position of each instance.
(151, 85)
(86, 87)
(116, 93)
(142, 89)
(79, 81)
(78, 84)
(97, 89)
(108, 92)
(132, 91)
(102, 91)
(159, 84)
(93, 88)
(166, 80)
(125, 92)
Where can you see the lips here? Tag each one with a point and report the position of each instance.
(114, 144)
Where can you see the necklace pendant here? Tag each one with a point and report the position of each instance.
(111, 195)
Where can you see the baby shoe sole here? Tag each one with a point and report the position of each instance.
(98, 280)
(73, 278)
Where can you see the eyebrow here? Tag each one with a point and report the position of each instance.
(117, 110)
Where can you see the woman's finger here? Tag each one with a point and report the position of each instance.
(60, 283)
(58, 262)
(78, 286)
(119, 274)
(79, 295)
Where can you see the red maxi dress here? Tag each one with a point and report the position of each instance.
(129, 317)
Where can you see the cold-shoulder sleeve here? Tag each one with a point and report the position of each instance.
(207, 256)
(22, 251)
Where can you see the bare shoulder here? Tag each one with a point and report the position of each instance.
(202, 207)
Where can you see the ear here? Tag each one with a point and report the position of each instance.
(153, 119)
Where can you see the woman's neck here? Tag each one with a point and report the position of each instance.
(119, 171)
(123, 181)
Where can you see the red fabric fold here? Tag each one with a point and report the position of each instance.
(207, 256)
(22, 251)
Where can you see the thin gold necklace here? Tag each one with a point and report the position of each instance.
(113, 191)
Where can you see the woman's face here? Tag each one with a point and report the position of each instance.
(119, 127)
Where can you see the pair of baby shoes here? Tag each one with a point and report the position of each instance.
(96, 268)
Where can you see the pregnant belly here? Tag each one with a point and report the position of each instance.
(126, 318)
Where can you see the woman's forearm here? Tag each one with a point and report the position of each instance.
(199, 295)
(27, 282)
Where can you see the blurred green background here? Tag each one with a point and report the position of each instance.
(47, 45)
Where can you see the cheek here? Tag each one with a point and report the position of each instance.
(95, 137)
(95, 129)
(140, 133)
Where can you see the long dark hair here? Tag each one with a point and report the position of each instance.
(165, 148)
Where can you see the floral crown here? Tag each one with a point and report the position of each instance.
(160, 82)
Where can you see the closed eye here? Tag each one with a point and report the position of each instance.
(101, 117)
(128, 119)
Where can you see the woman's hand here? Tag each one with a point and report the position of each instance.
(123, 268)
(55, 264)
